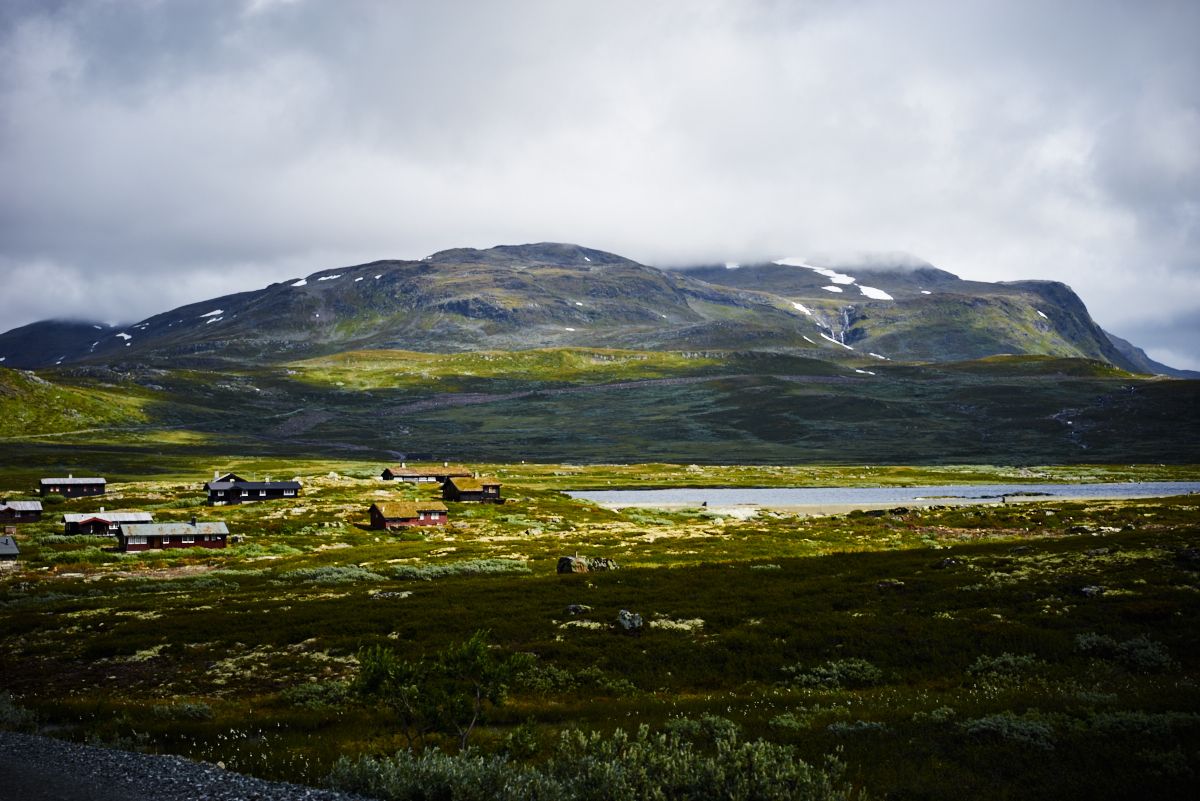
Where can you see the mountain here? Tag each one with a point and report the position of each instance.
(561, 295)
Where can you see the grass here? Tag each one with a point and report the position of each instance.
(943, 652)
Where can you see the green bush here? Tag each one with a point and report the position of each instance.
(13, 716)
(185, 710)
(318, 695)
(469, 567)
(1028, 729)
(332, 574)
(836, 673)
(1005, 669)
(596, 767)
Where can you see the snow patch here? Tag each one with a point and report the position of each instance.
(806, 339)
(837, 289)
(98, 327)
(301, 282)
(577, 303)
(379, 276)
(834, 341)
(124, 336)
(213, 313)
(214, 320)
(585, 258)
(3, 358)
(864, 372)
(926, 292)
(881, 358)
(329, 277)
(800, 307)
(832, 275)
(92, 348)
(732, 265)
(1041, 314)
(356, 280)
(873, 293)
(568, 329)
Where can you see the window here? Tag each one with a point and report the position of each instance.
(220, 493)
(289, 492)
(135, 540)
(188, 538)
(262, 493)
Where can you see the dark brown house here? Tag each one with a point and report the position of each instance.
(472, 489)
(20, 511)
(402, 514)
(232, 489)
(145, 536)
(102, 523)
(71, 487)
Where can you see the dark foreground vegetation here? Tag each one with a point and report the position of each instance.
(1041, 650)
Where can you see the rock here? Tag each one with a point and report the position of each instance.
(577, 609)
(1091, 591)
(1097, 552)
(889, 584)
(1021, 549)
(630, 622)
(1080, 529)
(949, 561)
(899, 510)
(572, 564)
(533, 532)
(601, 563)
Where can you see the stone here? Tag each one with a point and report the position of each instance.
(1091, 591)
(601, 563)
(572, 564)
(889, 584)
(577, 609)
(949, 561)
(630, 622)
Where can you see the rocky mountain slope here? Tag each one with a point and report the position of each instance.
(558, 295)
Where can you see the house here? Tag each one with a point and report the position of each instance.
(8, 548)
(402, 514)
(144, 536)
(20, 511)
(71, 487)
(232, 488)
(102, 523)
(439, 474)
(472, 489)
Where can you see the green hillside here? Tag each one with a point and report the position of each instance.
(31, 405)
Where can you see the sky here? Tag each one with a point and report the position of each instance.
(160, 152)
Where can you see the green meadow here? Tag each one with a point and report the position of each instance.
(1034, 650)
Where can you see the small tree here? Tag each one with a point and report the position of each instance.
(448, 693)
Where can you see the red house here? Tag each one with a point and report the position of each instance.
(403, 514)
(20, 511)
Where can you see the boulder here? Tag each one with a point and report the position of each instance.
(572, 564)
(601, 563)
(577, 609)
(630, 622)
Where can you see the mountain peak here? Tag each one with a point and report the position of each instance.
(558, 254)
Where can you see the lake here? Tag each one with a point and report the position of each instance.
(881, 496)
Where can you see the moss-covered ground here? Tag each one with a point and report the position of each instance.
(1039, 650)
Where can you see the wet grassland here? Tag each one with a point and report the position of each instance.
(1042, 649)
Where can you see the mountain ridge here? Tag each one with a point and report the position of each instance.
(514, 297)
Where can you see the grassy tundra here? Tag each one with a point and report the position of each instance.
(1038, 650)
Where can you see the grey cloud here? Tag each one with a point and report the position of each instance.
(146, 144)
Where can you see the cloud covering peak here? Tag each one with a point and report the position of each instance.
(151, 150)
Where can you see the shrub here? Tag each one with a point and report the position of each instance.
(841, 727)
(1026, 729)
(836, 673)
(1144, 655)
(15, 717)
(317, 695)
(332, 574)
(595, 767)
(545, 679)
(469, 567)
(1006, 668)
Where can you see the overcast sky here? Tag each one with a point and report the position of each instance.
(158, 152)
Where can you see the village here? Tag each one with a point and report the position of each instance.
(131, 530)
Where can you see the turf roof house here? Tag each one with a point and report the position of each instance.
(20, 511)
(147, 536)
(403, 514)
(71, 487)
(102, 523)
(472, 489)
(232, 488)
(439, 474)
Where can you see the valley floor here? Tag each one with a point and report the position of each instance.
(1033, 650)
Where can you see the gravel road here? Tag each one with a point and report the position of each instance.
(44, 769)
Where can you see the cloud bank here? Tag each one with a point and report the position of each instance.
(157, 153)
